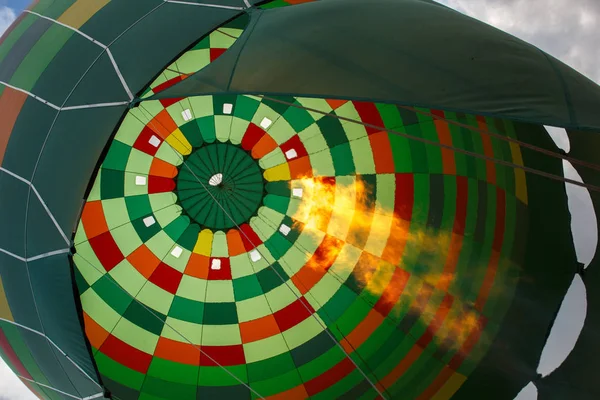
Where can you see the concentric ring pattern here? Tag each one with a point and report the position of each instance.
(403, 252)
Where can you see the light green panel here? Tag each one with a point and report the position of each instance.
(220, 40)
(86, 254)
(362, 156)
(386, 194)
(175, 111)
(281, 130)
(95, 192)
(115, 212)
(182, 331)
(150, 109)
(344, 263)
(221, 335)
(158, 201)
(135, 336)
(128, 278)
(238, 129)
(169, 154)
(219, 245)
(317, 104)
(192, 288)
(98, 310)
(293, 260)
(126, 238)
(313, 139)
(304, 331)
(178, 263)
(308, 241)
(193, 61)
(273, 159)
(354, 131)
(241, 266)
(262, 227)
(347, 110)
(253, 308)
(129, 130)
(131, 189)
(266, 259)
(265, 111)
(202, 106)
(265, 348)
(223, 127)
(323, 291)
(139, 162)
(272, 217)
(322, 164)
(282, 296)
(166, 215)
(160, 244)
(89, 273)
(219, 292)
(155, 297)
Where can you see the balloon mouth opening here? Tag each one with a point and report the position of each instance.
(216, 180)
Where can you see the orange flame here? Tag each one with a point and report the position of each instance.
(344, 212)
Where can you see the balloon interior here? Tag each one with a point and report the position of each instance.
(291, 199)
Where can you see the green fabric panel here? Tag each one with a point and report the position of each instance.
(53, 8)
(474, 72)
(40, 56)
(16, 34)
(545, 277)
(151, 43)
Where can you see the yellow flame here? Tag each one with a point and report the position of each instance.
(344, 212)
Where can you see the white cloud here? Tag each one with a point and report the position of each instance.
(7, 16)
(566, 29)
(11, 387)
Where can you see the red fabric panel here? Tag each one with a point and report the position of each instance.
(166, 277)
(106, 250)
(125, 354)
(293, 314)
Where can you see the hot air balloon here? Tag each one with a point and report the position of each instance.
(292, 199)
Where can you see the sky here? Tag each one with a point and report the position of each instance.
(566, 29)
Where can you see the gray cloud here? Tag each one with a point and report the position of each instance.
(566, 29)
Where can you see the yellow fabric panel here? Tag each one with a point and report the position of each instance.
(451, 386)
(204, 243)
(520, 180)
(81, 11)
(4, 308)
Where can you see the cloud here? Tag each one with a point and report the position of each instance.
(7, 16)
(11, 388)
(566, 29)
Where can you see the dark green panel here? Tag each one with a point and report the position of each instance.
(27, 137)
(15, 281)
(69, 158)
(13, 203)
(100, 84)
(456, 64)
(66, 69)
(152, 43)
(42, 235)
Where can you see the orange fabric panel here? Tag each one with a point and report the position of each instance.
(144, 261)
(234, 243)
(265, 145)
(94, 222)
(198, 266)
(258, 329)
(11, 103)
(184, 353)
(94, 332)
(162, 168)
